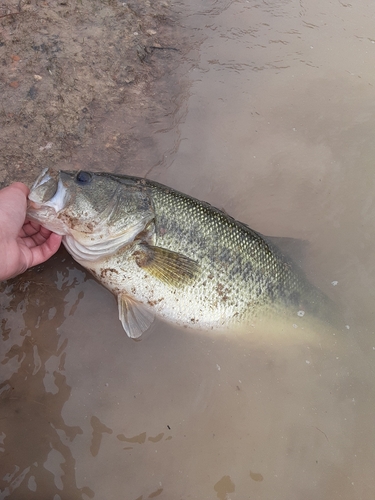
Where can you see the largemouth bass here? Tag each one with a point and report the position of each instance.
(167, 254)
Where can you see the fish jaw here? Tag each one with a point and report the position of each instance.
(47, 197)
(44, 187)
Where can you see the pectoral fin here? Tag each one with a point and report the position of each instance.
(170, 267)
(135, 318)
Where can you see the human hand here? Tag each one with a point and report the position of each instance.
(23, 243)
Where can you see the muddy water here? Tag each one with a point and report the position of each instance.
(278, 131)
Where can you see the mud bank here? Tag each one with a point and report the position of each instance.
(67, 65)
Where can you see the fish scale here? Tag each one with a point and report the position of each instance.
(229, 248)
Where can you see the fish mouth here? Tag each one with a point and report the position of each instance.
(48, 191)
(46, 198)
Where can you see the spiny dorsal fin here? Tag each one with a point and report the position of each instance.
(170, 267)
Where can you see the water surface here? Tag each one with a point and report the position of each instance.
(277, 129)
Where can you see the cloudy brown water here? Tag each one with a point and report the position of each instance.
(278, 130)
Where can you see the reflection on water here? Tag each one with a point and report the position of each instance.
(35, 450)
(278, 131)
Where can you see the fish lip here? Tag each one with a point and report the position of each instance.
(34, 205)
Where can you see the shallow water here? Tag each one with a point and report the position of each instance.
(277, 130)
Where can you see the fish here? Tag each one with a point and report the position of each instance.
(165, 254)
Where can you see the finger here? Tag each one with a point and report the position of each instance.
(49, 247)
(30, 228)
(53, 243)
(21, 186)
(13, 201)
(34, 236)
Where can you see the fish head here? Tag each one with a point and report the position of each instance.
(96, 213)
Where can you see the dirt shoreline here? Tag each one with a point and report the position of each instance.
(68, 66)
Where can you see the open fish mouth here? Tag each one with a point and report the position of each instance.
(47, 197)
(48, 191)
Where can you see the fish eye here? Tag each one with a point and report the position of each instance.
(83, 177)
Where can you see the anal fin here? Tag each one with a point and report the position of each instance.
(134, 317)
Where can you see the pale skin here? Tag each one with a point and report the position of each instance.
(23, 243)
